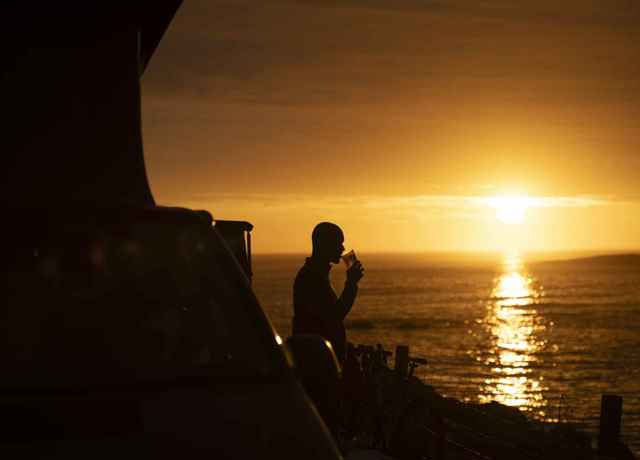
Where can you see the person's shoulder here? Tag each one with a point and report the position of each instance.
(305, 275)
(303, 271)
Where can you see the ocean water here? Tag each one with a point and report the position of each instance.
(549, 339)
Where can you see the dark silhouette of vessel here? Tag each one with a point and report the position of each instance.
(128, 328)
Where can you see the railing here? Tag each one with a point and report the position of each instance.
(237, 235)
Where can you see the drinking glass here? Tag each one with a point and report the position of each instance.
(349, 258)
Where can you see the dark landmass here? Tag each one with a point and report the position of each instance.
(611, 260)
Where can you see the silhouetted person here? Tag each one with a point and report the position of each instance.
(317, 308)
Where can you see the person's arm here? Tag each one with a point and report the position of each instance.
(346, 300)
(350, 291)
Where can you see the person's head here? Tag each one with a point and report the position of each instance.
(327, 239)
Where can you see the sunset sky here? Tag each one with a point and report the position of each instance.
(459, 125)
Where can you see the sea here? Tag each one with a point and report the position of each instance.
(548, 337)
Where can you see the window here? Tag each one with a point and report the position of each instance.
(131, 302)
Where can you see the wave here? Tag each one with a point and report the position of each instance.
(402, 323)
(573, 308)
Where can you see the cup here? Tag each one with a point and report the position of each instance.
(349, 258)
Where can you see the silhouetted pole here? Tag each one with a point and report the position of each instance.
(249, 255)
(441, 438)
(610, 417)
(402, 360)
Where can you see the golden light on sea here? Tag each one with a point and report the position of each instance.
(513, 326)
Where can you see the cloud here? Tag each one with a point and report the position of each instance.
(548, 202)
(622, 12)
(341, 52)
(451, 206)
(410, 89)
(428, 222)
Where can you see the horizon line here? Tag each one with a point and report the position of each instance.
(468, 252)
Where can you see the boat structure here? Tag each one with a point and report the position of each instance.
(128, 328)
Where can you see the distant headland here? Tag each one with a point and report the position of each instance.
(607, 260)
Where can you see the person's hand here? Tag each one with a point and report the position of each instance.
(355, 272)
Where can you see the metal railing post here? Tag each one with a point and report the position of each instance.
(610, 422)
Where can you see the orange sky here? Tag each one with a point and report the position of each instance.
(390, 117)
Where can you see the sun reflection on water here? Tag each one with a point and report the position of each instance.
(514, 326)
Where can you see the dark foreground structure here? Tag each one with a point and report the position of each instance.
(127, 328)
(395, 412)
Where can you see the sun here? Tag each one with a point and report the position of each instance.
(510, 209)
